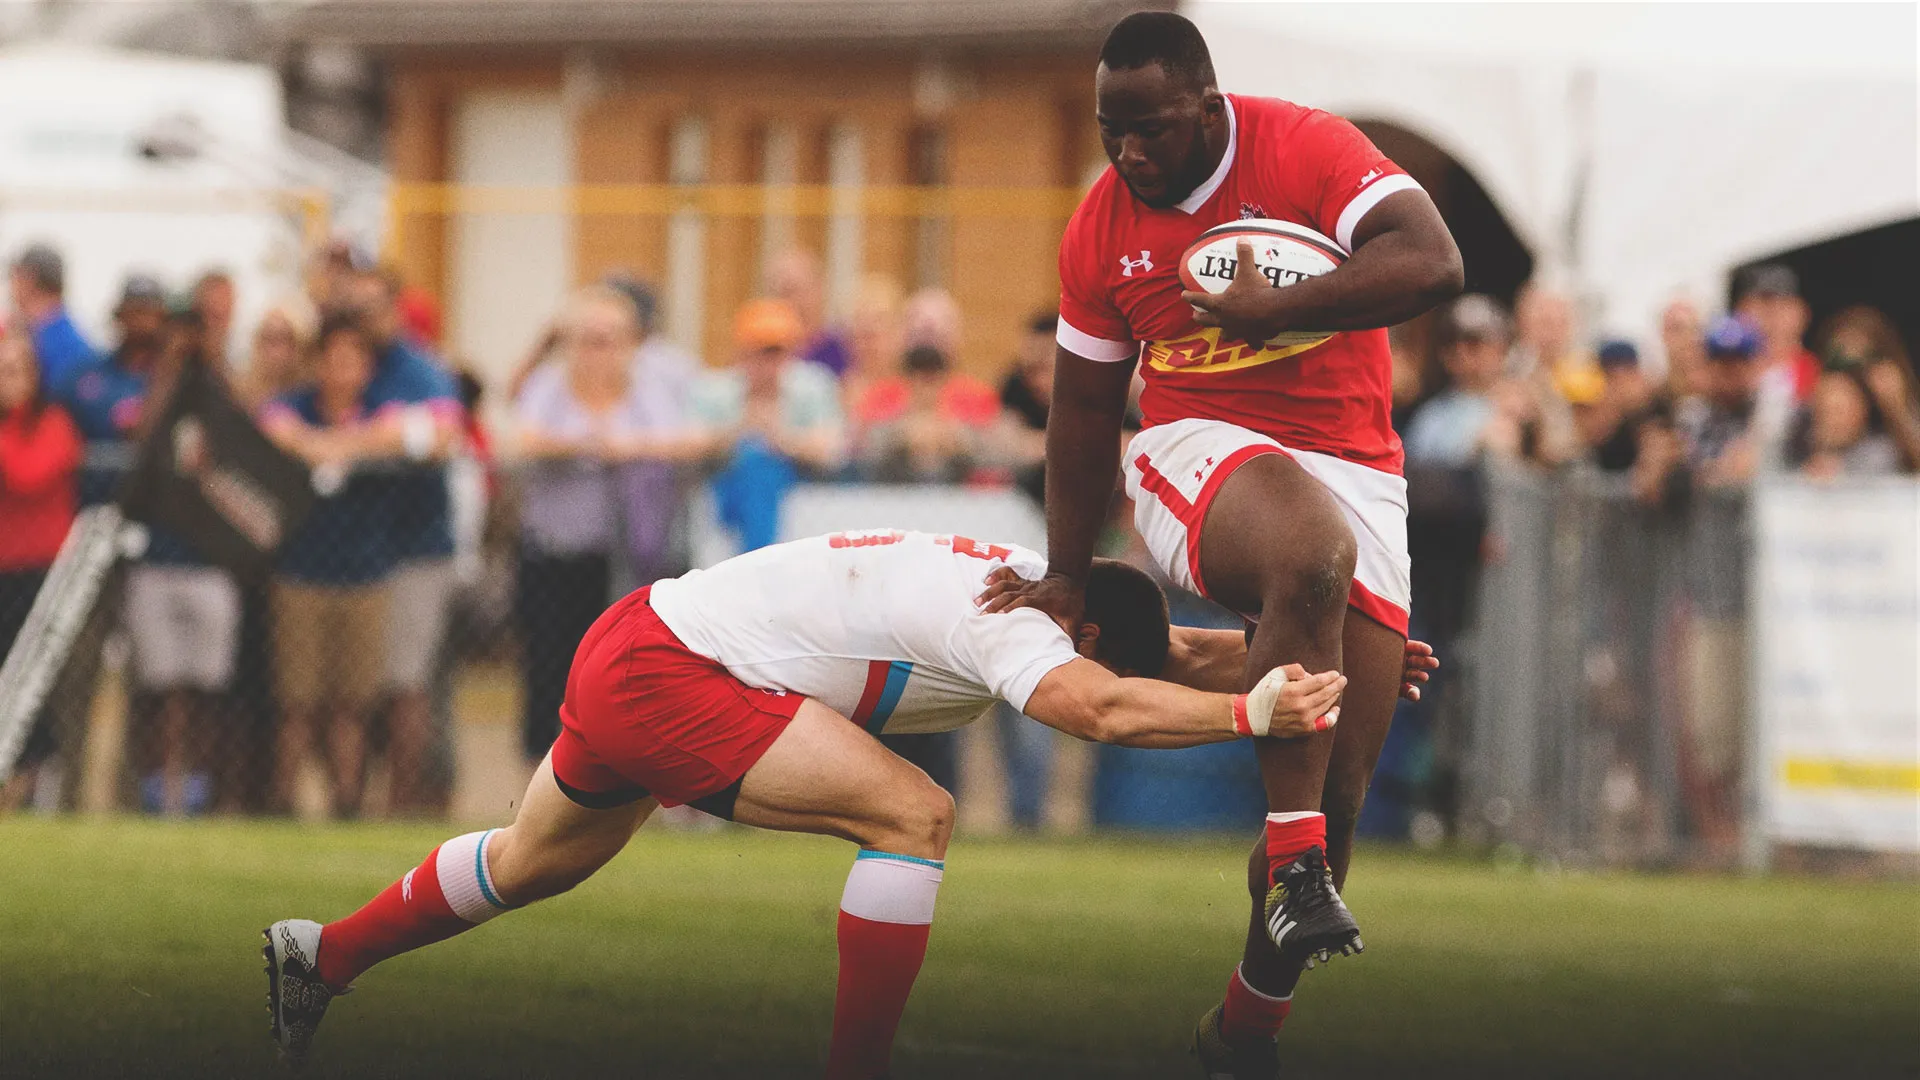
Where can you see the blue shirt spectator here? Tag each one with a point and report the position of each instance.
(38, 286)
(406, 375)
(107, 397)
(342, 541)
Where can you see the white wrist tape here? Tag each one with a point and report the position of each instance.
(1260, 701)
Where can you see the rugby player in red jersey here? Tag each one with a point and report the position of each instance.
(1267, 478)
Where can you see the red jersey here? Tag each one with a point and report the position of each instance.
(1120, 287)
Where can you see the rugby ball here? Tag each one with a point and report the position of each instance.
(1283, 252)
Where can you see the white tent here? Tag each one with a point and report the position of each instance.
(1637, 149)
(130, 161)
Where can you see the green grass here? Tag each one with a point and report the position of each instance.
(131, 949)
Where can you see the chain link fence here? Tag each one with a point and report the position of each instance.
(1604, 706)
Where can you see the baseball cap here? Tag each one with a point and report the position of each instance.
(142, 289)
(44, 265)
(1767, 279)
(1476, 318)
(1732, 337)
(766, 324)
(1618, 354)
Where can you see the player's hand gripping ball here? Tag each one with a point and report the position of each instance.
(1282, 254)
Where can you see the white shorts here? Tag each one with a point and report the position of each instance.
(417, 610)
(184, 624)
(1174, 470)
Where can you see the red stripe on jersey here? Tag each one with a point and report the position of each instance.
(1194, 514)
(870, 695)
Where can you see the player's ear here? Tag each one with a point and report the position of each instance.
(1213, 106)
(1087, 641)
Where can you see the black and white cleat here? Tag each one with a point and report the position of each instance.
(297, 999)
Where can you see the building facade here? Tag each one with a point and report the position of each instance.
(534, 147)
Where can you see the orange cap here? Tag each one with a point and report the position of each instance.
(766, 324)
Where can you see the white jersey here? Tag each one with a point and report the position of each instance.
(880, 626)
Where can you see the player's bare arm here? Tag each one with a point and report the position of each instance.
(1404, 262)
(1089, 702)
(1083, 463)
(1216, 660)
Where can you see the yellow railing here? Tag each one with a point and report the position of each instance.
(734, 200)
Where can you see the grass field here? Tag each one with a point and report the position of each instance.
(132, 949)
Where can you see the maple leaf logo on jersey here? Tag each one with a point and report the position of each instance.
(1143, 264)
(1249, 211)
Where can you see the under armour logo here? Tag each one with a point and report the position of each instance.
(1143, 264)
(1369, 178)
(406, 887)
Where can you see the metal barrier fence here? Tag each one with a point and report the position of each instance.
(1605, 701)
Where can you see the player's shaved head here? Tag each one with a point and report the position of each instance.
(1163, 38)
(1130, 611)
(1162, 121)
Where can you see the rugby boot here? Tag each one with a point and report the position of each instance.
(296, 996)
(1305, 916)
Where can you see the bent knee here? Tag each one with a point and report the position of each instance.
(1314, 589)
(922, 825)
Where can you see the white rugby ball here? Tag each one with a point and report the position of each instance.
(1283, 252)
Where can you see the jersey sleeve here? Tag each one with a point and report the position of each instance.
(1348, 175)
(1090, 324)
(1010, 653)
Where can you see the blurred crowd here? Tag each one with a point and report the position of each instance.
(1667, 443)
(342, 659)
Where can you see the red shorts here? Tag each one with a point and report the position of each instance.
(645, 715)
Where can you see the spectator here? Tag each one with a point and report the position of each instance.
(1719, 430)
(795, 278)
(581, 422)
(1863, 418)
(213, 299)
(875, 340)
(1453, 427)
(330, 602)
(1683, 337)
(1026, 394)
(1627, 402)
(773, 414)
(39, 456)
(38, 284)
(413, 385)
(1768, 298)
(1546, 341)
(932, 319)
(280, 343)
(925, 443)
(183, 619)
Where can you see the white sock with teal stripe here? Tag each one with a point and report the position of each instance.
(466, 880)
(888, 888)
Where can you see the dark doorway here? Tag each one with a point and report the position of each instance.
(1879, 267)
(1497, 262)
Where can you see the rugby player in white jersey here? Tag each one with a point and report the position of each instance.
(754, 690)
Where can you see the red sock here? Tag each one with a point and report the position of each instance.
(878, 963)
(414, 911)
(1291, 833)
(1249, 1014)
